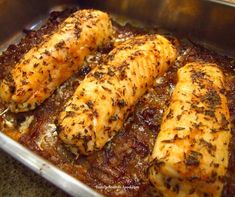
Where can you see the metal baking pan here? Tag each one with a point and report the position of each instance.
(208, 22)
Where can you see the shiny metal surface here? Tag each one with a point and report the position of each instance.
(45, 169)
(210, 22)
(16, 14)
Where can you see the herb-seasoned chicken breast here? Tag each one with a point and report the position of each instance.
(191, 151)
(104, 98)
(43, 68)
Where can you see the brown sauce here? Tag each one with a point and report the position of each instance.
(120, 168)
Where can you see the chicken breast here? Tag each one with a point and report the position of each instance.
(191, 151)
(104, 98)
(43, 68)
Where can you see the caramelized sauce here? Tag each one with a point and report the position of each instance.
(120, 169)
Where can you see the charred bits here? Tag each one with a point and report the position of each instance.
(193, 158)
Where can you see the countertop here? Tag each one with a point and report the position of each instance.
(16, 180)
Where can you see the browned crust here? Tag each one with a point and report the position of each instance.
(123, 162)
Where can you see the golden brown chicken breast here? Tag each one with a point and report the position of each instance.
(43, 68)
(102, 101)
(191, 151)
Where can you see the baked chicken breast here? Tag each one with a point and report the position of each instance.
(190, 157)
(43, 68)
(105, 97)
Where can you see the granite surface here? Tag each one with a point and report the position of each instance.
(18, 181)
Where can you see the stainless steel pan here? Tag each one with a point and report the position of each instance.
(209, 22)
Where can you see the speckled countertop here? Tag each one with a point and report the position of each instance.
(17, 180)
